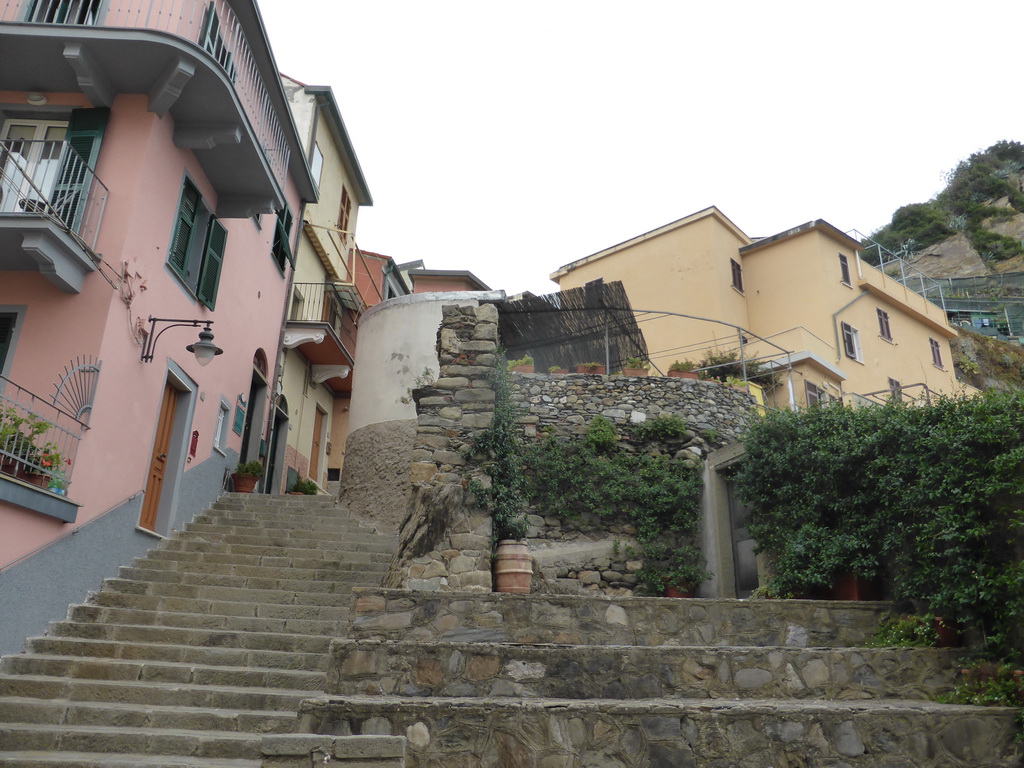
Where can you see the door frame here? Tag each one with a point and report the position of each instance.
(181, 427)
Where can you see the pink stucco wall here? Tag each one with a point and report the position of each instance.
(144, 172)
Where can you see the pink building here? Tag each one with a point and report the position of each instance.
(149, 168)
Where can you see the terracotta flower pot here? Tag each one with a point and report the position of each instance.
(513, 567)
(634, 371)
(851, 587)
(244, 483)
(949, 632)
(683, 374)
(593, 369)
(673, 591)
(523, 369)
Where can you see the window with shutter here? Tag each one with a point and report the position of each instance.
(883, 325)
(213, 258)
(282, 249)
(844, 270)
(936, 353)
(181, 243)
(78, 163)
(6, 334)
(737, 275)
(851, 342)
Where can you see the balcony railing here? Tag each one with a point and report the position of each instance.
(324, 303)
(38, 441)
(209, 24)
(49, 178)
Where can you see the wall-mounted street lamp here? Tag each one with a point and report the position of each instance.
(204, 349)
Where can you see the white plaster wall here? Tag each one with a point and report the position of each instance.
(397, 344)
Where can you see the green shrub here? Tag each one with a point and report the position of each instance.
(250, 469)
(305, 486)
(906, 632)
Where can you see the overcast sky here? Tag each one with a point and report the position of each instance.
(511, 138)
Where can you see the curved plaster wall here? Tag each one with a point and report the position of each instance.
(397, 345)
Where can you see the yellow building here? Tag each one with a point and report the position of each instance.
(800, 303)
(319, 338)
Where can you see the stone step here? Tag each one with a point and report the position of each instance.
(253, 527)
(345, 540)
(664, 733)
(386, 614)
(638, 672)
(16, 709)
(134, 670)
(239, 566)
(106, 739)
(330, 606)
(113, 616)
(335, 544)
(152, 693)
(274, 556)
(133, 633)
(322, 550)
(93, 760)
(182, 583)
(187, 654)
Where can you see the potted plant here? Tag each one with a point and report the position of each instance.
(593, 368)
(305, 487)
(557, 369)
(523, 365)
(683, 369)
(246, 476)
(684, 572)
(17, 441)
(636, 366)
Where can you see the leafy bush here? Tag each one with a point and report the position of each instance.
(906, 632)
(250, 469)
(929, 497)
(305, 486)
(659, 494)
(663, 428)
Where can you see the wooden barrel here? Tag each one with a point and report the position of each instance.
(513, 567)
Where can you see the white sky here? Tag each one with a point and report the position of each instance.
(511, 138)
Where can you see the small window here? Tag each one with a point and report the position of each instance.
(346, 210)
(883, 325)
(737, 275)
(895, 389)
(196, 254)
(936, 353)
(851, 342)
(844, 270)
(282, 249)
(316, 164)
(220, 433)
(7, 320)
(815, 395)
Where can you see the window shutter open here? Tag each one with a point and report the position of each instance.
(81, 151)
(213, 258)
(6, 334)
(188, 209)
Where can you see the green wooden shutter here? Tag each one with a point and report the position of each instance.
(84, 135)
(209, 278)
(6, 334)
(181, 243)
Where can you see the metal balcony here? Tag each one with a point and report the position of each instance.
(190, 57)
(320, 325)
(51, 208)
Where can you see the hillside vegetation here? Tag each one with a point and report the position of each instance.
(981, 193)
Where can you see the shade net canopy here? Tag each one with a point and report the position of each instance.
(594, 323)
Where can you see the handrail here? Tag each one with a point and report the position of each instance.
(211, 25)
(50, 179)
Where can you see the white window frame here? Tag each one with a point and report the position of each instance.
(220, 431)
(316, 164)
(851, 342)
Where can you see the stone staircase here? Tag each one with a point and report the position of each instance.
(557, 681)
(195, 652)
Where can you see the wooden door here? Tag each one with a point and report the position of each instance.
(314, 452)
(158, 464)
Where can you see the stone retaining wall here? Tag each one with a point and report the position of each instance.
(605, 672)
(674, 733)
(384, 614)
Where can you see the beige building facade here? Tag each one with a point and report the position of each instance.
(800, 304)
(319, 338)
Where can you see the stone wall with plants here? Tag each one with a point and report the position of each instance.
(500, 456)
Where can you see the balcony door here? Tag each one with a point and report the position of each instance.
(30, 160)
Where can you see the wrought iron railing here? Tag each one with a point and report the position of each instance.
(325, 303)
(38, 441)
(49, 178)
(209, 24)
